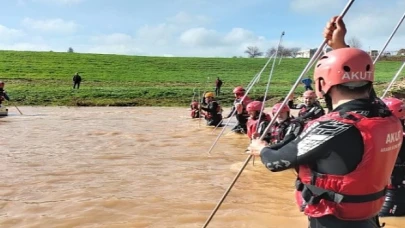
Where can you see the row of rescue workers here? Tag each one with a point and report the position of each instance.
(248, 111)
(287, 127)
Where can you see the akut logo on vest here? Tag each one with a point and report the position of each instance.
(393, 142)
(359, 75)
(393, 137)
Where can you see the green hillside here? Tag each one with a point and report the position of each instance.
(45, 78)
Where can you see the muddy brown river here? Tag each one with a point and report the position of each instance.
(134, 167)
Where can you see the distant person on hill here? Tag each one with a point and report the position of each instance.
(3, 94)
(218, 84)
(76, 80)
(307, 83)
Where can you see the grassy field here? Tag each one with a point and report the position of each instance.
(45, 78)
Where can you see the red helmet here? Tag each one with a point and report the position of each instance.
(277, 107)
(396, 106)
(309, 94)
(254, 106)
(239, 90)
(349, 66)
(1, 83)
(194, 104)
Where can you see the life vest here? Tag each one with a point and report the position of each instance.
(218, 111)
(360, 194)
(398, 174)
(252, 124)
(277, 131)
(303, 110)
(195, 113)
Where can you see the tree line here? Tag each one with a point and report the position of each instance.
(254, 51)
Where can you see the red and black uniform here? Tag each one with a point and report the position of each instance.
(394, 204)
(283, 133)
(342, 184)
(253, 126)
(213, 114)
(311, 112)
(195, 111)
(3, 95)
(242, 118)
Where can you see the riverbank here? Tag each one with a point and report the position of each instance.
(45, 78)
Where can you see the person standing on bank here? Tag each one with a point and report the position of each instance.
(307, 84)
(76, 80)
(341, 184)
(218, 84)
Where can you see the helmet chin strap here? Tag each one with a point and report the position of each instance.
(328, 101)
(256, 115)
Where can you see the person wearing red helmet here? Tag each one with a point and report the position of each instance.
(255, 129)
(195, 110)
(213, 111)
(285, 129)
(344, 159)
(240, 106)
(394, 204)
(311, 109)
(3, 93)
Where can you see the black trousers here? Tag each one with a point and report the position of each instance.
(217, 91)
(76, 84)
(330, 221)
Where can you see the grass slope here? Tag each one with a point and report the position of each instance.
(45, 78)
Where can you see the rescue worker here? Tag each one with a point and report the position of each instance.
(254, 127)
(212, 114)
(195, 110)
(3, 93)
(240, 106)
(341, 184)
(394, 204)
(285, 129)
(311, 109)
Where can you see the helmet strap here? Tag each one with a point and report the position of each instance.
(328, 101)
(256, 115)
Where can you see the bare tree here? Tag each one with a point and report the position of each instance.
(283, 51)
(354, 42)
(253, 51)
(70, 50)
(294, 51)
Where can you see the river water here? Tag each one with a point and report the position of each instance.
(133, 167)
